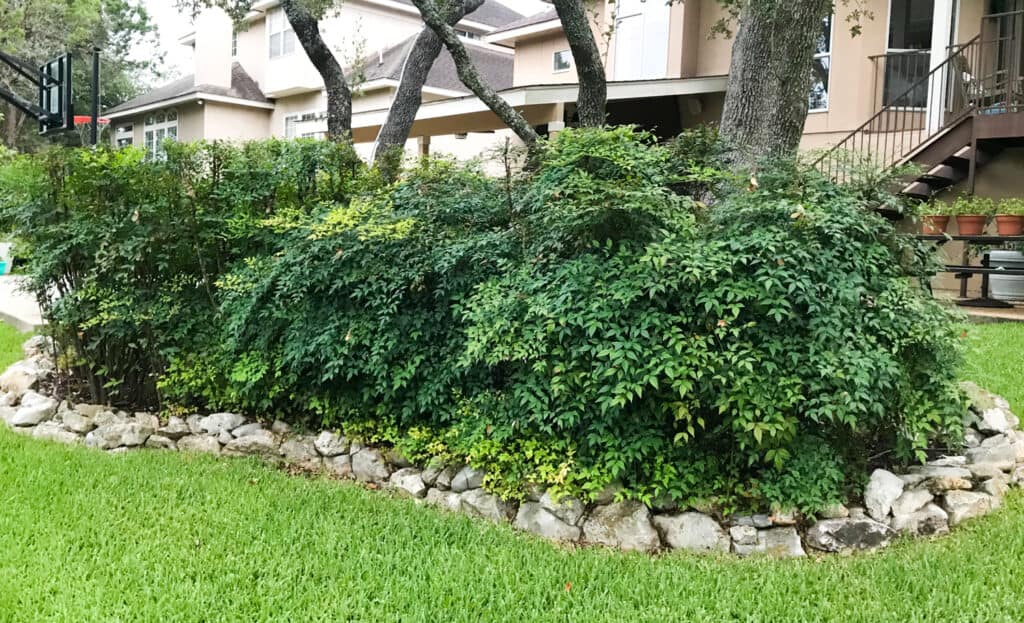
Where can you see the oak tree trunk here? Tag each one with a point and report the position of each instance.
(593, 94)
(409, 95)
(470, 77)
(339, 96)
(770, 77)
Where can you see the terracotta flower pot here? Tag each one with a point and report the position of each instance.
(1010, 224)
(971, 224)
(934, 224)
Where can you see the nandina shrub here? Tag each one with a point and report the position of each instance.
(583, 323)
(126, 251)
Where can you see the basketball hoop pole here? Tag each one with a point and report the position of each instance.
(94, 132)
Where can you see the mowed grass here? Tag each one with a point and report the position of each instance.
(10, 345)
(86, 536)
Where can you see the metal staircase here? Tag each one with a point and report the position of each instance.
(974, 104)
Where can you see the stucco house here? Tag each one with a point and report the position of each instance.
(887, 92)
(255, 81)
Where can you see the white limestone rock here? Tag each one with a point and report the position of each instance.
(533, 517)
(408, 482)
(695, 532)
(883, 489)
(625, 525)
(330, 444)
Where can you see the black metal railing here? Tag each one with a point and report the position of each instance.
(982, 76)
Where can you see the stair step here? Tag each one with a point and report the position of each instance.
(921, 190)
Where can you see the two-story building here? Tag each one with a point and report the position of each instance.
(253, 80)
(910, 86)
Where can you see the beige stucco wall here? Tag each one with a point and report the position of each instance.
(235, 123)
(534, 61)
(296, 104)
(252, 50)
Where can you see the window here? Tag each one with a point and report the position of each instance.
(234, 44)
(465, 34)
(282, 37)
(820, 70)
(908, 56)
(306, 125)
(123, 136)
(562, 61)
(159, 127)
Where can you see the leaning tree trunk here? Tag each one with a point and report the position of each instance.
(339, 96)
(770, 76)
(409, 96)
(470, 77)
(593, 94)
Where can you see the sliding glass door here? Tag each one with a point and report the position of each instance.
(908, 55)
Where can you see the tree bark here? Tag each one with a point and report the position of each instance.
(471, 77)
(339, 96)
(770, 77)
(593, 94)
(409, 96)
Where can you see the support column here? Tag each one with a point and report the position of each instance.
(424, 144)
(942, 35)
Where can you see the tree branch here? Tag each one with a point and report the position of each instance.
(593, 94)
(409, 96)
(471, 77)
(339, 96)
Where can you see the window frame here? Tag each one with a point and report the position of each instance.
(276, 19)
(829, 55)
(570, 64)
(154, 133)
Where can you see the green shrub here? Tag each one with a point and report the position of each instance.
(128, 250)
(588, 323)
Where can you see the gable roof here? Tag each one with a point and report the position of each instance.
(531, 20)
(491, 13)
(495, 67)
(243, 87)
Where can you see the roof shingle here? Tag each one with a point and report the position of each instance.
(242, 87)
(495, 67)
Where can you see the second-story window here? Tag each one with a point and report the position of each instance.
(234, 44)
(820, 70)
(562, 61)
(282, 37)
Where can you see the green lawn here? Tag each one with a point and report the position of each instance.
(86, 536)
(10, 345)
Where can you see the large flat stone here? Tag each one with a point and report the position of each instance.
(479, 503)
(695, 532)
(928, 521)
(845, 535)
(368, 465)
(204, 444)
(964, 505)
(126, 434)
(261, 443)
(623, 525)
(533, 517)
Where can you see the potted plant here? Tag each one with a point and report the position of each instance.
(972, 215)
(935, 218)
(1010, 217)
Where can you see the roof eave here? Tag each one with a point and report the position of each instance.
(510, 37)
(185, 99)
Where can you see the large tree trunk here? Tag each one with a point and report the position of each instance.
(339, 96)
(770, 77)
(409, 96)
(593, 94)
(471, 77)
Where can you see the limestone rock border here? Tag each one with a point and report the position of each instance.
(925, 501)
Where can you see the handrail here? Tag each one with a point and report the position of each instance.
(904, 126)
(983, 74)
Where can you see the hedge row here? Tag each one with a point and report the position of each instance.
(589, 321)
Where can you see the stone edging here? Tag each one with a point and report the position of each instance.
(927, 500)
